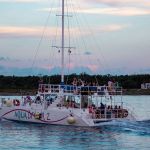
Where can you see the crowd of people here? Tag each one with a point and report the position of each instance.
(79, 82)
(28, 100)
(107, 111)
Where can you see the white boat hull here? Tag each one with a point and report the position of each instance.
(53, 116)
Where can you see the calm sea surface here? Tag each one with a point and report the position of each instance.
(119, 136)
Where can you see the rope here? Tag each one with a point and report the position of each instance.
(94, 39)
(41, 39)
(78, 55)
(53, 43)
(69, 50)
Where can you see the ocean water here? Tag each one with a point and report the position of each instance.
(118, 136)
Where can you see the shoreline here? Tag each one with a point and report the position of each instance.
(15, 92)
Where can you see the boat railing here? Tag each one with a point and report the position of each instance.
(79, 90)
(108, 113)
(130, 109)
(1, 102)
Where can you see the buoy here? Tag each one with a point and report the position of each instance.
(16, 102)
(125, 113)
(71, 120)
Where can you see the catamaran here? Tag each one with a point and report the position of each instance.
(77, 104)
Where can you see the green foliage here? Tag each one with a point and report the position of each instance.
(31, 82)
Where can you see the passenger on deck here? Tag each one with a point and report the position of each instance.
(116, 107)
(102, 107)
(89, 84)
(97, 113)
(74, 82)
(38, 99)
(102, 90)
(93, 84)
(27, 99)
(81, 83)
(116, 111)
(120, 112)
(108, 107)
(111, 87)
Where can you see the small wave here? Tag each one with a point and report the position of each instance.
(128, 127)
(147, 121)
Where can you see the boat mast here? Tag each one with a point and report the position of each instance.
(62, 45)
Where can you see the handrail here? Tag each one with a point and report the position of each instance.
(83, 90)
(108, 113)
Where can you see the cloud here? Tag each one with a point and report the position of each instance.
(22, 1)
(93, 67)
(81, 2)
(112, 28)
(4, 59)
(125, 11)
(122, 2)
(116, 11)
(90, 69)
(15, 31)
(87, 53)
(21, 71)
(36, 71)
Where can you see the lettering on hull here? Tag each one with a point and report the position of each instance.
(22, 114)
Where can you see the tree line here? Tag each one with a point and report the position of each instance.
(31, 82)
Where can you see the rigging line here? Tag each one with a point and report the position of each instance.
(91, 65)
(54, 42)
(77, 52)
(79, 30)
(94, 38)
(79, 27)
(89, 59)
(71, 33)
(101, 64)
(73, 39)
(83, 40)
(68, 22)
(68, 69)
(69, 50)
(43, 32)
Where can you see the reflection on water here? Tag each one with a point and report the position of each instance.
(120, 135)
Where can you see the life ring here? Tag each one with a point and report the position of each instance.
(125, 114)
(16, 102)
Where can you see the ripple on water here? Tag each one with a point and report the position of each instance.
(30, 136)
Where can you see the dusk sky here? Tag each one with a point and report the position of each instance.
(109, 36)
